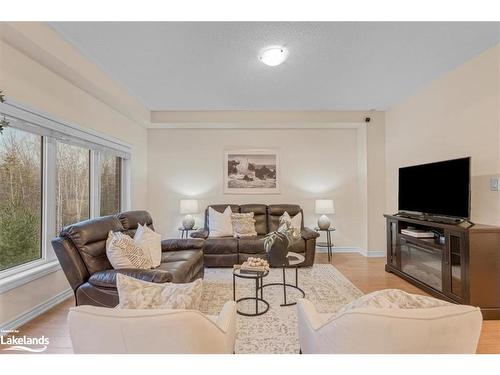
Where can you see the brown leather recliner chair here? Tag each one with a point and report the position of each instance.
(227, 251)
(81, 250)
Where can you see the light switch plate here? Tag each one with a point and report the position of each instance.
(494, 183)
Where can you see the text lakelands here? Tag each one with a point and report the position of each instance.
(24, 340)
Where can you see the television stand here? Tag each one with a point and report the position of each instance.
(460, 264)
(434, 218)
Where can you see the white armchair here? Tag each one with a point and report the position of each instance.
(372, 330)
(100, 330)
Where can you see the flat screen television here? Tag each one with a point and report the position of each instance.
(440, 189)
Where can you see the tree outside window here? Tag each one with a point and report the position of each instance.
(20, 197)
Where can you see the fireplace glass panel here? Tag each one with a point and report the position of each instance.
(422, 263)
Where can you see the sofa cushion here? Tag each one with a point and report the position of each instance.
(226, 245)
(107, 278)
(175, 256)
(259, 214)
(274, 212)
(176, 244)
(251, 245)
(298, 246)
(184, 265)
(88, 294)
(89, 237)
(131, 219)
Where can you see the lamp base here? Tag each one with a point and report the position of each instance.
(188, 222)
(323, 222)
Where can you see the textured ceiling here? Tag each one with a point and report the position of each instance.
(183, 66)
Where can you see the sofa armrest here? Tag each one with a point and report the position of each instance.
(226, 322)
(227, 316)
(107, 278)
(203, 234)
(309, 234)
(182, 244)
(308, 315)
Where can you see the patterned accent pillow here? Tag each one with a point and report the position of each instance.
(393, 299)
(295, 223)
(243, 225)
(150, 241)
(138, 294)
(123, 252)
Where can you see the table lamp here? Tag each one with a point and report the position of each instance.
(324, 207)
(188, 207)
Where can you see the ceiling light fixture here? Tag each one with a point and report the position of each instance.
(273, 56)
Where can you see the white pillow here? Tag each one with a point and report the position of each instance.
(393, 299)
(296, 221)
(123, 252)
(219, 224)
(149, 241)
(138, 294)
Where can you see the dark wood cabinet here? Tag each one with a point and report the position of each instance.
(460, 264)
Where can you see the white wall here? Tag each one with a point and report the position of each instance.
(315, 163)
(31, 83)
(454, 116)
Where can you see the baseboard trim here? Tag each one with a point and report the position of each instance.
(36, 311)
(349, 249)
(374, 253)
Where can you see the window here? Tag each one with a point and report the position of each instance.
(110, 184)
(20, 198)
(52, 174)
(72, 185)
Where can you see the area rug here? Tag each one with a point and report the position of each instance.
(276, 331)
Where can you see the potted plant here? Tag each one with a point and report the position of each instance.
(277, 243)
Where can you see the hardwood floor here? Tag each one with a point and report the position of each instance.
(367, 274)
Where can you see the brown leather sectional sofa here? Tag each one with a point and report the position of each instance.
(227, 251)
(81, 250)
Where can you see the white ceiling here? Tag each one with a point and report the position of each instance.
(183, 66)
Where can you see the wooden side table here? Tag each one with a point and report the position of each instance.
(185, 232)
(328, 244)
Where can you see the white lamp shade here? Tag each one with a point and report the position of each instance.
(324, 207)
(189, 206)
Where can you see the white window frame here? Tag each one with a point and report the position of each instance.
(53, 130)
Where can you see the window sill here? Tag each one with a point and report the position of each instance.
(26, 275)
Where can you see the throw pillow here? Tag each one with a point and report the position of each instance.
(243, 225)
(138, 294)
(219, 224)
(149, 241)
(123, 252)
(393, 299)
(295, 221)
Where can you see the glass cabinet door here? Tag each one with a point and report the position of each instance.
(454, 264)
(394, 244)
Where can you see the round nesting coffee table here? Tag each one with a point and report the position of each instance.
(293, 260)
(258, 277)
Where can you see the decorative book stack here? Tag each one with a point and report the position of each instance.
(418, 233)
